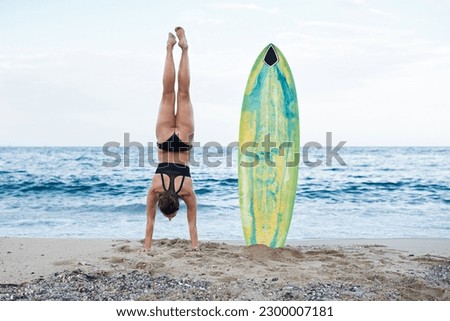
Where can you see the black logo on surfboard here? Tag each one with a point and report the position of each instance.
(271, 57)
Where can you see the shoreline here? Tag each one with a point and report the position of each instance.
(337, 269)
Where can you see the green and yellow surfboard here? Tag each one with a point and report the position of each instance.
(269, 150)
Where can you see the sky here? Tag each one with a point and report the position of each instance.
(83, 73)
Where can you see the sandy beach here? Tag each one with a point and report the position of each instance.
(99, 269)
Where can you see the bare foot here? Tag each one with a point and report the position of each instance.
(182, 42)
(171, 41)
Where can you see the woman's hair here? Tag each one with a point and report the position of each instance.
(168, 202)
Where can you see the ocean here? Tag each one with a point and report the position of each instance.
(388, 192)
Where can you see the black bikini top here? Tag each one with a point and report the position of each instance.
(173, 171)
(174, 144)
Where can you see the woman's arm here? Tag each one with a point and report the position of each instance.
(151, 213)
(191, 203)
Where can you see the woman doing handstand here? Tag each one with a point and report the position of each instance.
(175, 133)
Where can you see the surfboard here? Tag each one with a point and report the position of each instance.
(269, 150)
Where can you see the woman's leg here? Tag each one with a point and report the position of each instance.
(165, 123)
(185, 114)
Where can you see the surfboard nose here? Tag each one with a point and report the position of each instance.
(271, 57)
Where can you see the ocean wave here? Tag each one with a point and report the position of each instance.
(19, 171)
(431, 187)
(79, 187)
(202, 191)
(130, 208)
(362, 192)
(224, 181)
(389, 186)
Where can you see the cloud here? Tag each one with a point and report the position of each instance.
(23, 61)
(362, 5)
(76, 79)
(343, 28)
(201, 20)
(382, 13)
(243, 6)
(333, 58)
(331, 39)
(87, 97)
(354, 3)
